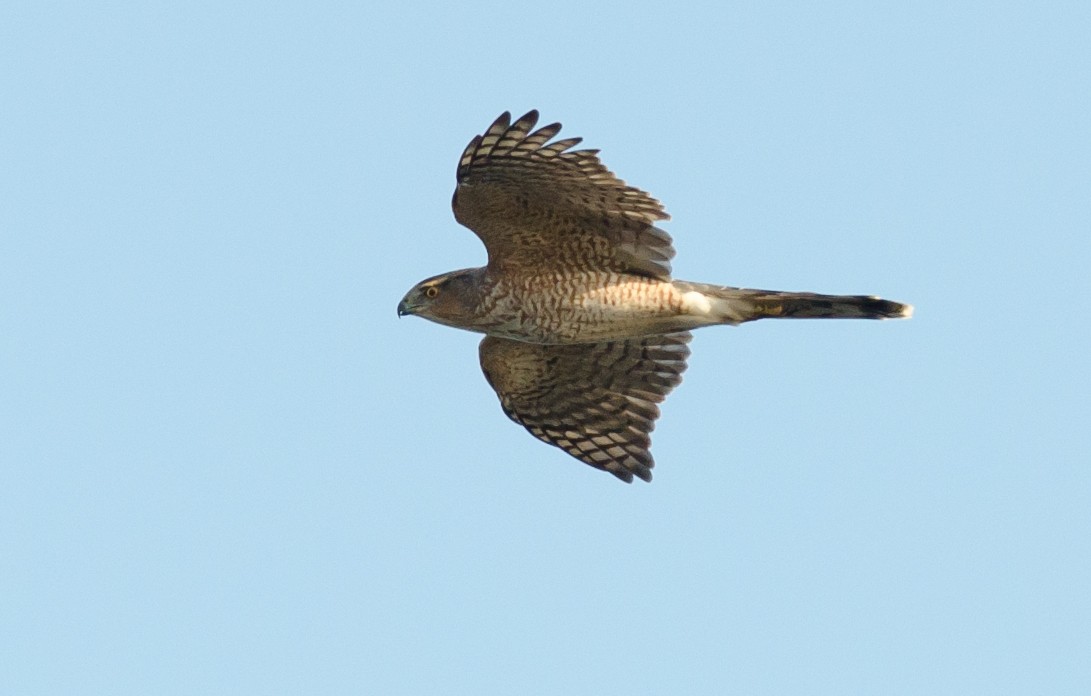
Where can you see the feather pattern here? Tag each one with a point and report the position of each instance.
(596, 401)
(541, 204)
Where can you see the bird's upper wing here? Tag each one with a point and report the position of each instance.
(596, 401)
(540, 204)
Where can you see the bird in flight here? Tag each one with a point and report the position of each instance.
(585, 330)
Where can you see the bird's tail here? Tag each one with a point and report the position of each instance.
(737, 305)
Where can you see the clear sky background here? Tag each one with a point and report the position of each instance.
(226, 466)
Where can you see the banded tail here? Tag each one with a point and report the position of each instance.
(738, 305)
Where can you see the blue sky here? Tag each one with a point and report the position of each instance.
(227, 467)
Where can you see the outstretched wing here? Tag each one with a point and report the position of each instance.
(541, 204)
(596, 401)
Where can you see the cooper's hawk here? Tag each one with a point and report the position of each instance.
(585, 329)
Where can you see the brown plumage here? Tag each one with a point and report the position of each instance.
(585, 329)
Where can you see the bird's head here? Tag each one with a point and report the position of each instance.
(450, 298)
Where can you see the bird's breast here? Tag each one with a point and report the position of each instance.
(582, 307)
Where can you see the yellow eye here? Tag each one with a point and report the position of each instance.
(431, 291)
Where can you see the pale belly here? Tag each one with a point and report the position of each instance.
(573, 310)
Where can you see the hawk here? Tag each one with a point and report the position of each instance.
(585, 330)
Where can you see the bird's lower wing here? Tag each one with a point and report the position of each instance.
(596, 401)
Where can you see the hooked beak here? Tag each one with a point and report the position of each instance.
(404, 308)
